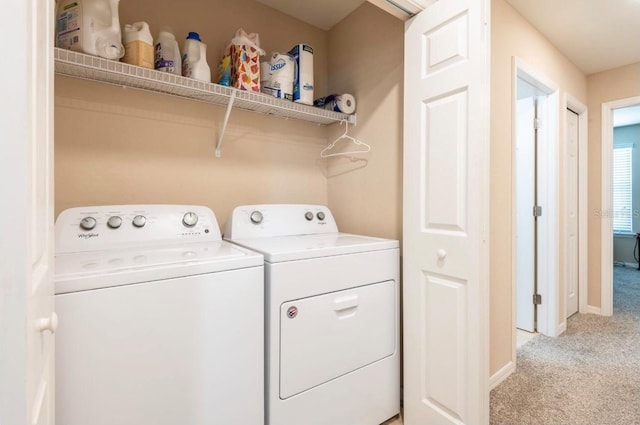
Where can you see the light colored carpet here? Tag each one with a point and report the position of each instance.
(590, 375)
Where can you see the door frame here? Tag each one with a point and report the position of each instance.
(606, 207)
(26, 254)
(549, 231)
(573, 104)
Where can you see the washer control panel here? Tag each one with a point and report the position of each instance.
(255, 221)
(113, 226)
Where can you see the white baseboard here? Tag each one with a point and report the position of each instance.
(594, 310)
(501, 375)
(562, 327)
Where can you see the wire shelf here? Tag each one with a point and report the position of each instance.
(79, 65)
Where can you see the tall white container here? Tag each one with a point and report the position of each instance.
(89, 26)
(194, 59)
(138, 45)
(167, 53)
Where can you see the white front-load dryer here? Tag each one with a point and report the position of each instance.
(161, 322)
(332, 316)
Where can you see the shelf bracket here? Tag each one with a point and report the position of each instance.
(224, 124)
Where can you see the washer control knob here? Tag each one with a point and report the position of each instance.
(308, 215)
(139, 221)
(320, 216)
(88, 223)
(190, 219)
(256, 217)
(114, 221)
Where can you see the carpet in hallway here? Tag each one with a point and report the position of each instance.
(590, 375)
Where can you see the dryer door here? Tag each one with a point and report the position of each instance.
(327, 336)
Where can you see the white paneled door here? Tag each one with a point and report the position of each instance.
(446, 139)
(572, 211)
(27, 318)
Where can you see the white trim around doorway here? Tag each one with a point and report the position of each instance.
(606, 209)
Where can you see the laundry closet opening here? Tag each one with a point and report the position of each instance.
(124, 146)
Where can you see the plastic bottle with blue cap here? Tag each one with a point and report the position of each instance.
(194, 58)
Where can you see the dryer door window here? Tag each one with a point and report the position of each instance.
(327, 336)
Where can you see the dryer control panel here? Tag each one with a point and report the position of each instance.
(269, 220)
(120, 226)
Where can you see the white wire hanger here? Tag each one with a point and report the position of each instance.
(363, 146)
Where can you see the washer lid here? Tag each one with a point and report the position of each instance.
(101, 269)
(301, 247)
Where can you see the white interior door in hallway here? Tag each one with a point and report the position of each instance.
(525, 199)
(572, 235)
(535, 209)
(446, 355)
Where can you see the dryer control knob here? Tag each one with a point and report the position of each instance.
(139, 221)
(88, 223)
(114, 221)
(308, 215)
(320, 216)
(256, 217)
(190, 219)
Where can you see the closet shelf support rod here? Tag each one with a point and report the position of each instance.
(224, 124)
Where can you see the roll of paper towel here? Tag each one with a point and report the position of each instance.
(303, 81)
(265, 72)
(344, 103)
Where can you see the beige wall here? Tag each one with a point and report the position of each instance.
(623, 249)
(512, 35)
(366, 59)
(116, 145)
(606, 86)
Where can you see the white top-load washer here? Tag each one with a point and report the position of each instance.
(161, 322)
(332, 316)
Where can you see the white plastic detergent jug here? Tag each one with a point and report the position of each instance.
(194, 59)
(167, 53)
(89, 26)
(138, 45)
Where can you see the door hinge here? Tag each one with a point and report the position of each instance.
(537, 123)
(537, 299)
(537, 211)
